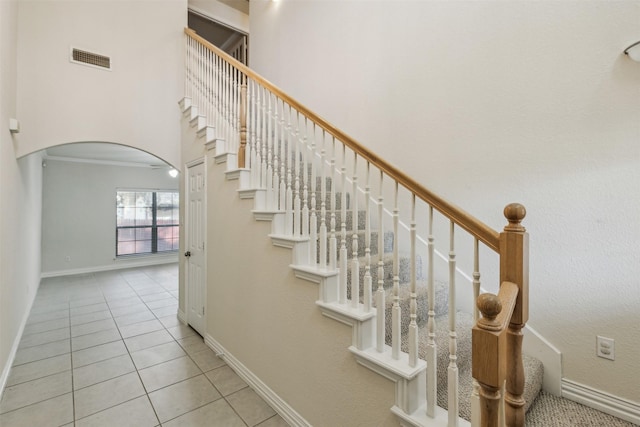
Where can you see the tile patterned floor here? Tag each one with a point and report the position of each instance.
(107, 349)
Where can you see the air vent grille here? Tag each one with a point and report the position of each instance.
(89, 58)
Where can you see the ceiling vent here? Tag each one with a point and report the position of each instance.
(84, 57)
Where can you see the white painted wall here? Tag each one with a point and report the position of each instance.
(492, 102)
(20, 206)
(134, 104)
(79, 214)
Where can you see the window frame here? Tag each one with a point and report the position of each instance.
(154, 226)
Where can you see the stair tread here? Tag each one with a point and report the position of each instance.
(533, 368)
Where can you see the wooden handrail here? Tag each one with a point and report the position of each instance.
(475, 227)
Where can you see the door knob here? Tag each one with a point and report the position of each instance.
(187, 254)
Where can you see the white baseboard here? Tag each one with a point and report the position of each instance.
(536, 346)
(118, 265)
(182, 317)
(605, 402)
(16, 342)
(276, 402)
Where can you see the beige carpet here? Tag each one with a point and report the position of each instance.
(551, 411)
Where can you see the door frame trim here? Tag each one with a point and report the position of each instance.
(188, 165)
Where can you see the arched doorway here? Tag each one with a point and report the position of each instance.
(107, 206)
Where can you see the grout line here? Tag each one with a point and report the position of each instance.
(73, 388)
(44, 376)
(40, 401)
(144, 387)
(175, 339)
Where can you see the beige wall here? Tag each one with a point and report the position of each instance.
(20, 206)
(265, 317)
(487, 103)
(134, 104)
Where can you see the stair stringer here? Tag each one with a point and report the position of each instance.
(409, 383)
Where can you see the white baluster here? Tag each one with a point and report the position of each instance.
(250, 147)
(380, 297)
(313, 223)
(255, 137)
(343, 228)
(432, 348)
(196, 88)
(355, 264)
(196, 64)
(296, 173)
(333, 241)
(452, 370)
(236, 109)
(323, 204)
(282, 191)
(211, 88)
(277, 136)
(223, 100)
(205, 82)
(413, 324)
(260, 125)
(220, 99)
(395, 310)
(475, 394)
(230, 137)
(367, 243)
(208, 83)
(205, 66)
(196, 97)
(226, 103)
(216, 93)
(288, 222)
(305, 179)
(187, 71)
(263, 165)
(269, 142)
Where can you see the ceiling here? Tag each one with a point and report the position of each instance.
(100, 152)
(241, 5)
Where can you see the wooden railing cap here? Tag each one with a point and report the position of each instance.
(515, 213)
(490, 306)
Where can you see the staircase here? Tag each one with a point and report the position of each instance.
(375, 267)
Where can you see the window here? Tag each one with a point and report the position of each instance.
(147, 222)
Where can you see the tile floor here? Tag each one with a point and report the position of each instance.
(107, 349)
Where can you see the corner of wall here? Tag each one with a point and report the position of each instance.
(535, 345)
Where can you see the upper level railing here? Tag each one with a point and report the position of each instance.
(319, 176)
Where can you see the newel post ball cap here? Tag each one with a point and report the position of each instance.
(514, 213)
(489, 305)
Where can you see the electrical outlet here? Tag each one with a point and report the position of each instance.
(605, 348)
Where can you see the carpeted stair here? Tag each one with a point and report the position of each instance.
(533, 367)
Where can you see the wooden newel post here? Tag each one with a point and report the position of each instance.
(243, 122)
(514, 267)
(489, 352)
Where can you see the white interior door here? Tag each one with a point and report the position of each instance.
(195, 254)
